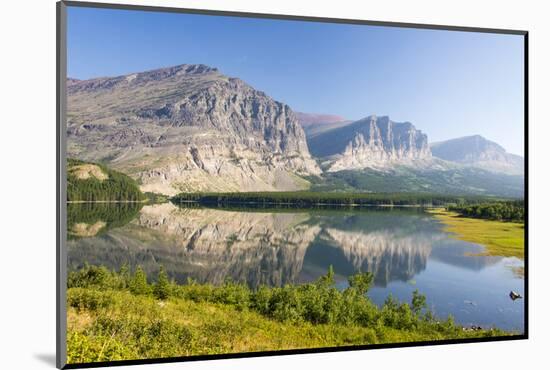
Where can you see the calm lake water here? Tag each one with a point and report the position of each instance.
(405, 249)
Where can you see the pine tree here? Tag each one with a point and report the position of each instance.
(162, 287)
(138, 284)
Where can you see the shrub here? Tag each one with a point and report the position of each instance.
(361, 282)
(91, 299)
(94, 276)
(162, 286)
(418, 302)
(234, 294)
(138, 284)
(319, 302)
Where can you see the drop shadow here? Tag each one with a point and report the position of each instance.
(47, 358)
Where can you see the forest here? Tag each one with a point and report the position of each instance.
(115, 187)
(499, 211)
(310, 199)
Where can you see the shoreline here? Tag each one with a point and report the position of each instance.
(499, 238)
(305, 206)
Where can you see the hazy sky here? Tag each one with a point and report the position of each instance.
(448, 84)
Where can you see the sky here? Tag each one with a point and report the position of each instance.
(448, 84)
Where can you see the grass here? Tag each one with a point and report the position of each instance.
(498, 237)
(114, 316)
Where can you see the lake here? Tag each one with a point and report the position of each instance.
(405, 249)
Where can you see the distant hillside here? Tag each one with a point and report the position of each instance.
(457, 180)
(91, 182)
(478, 152)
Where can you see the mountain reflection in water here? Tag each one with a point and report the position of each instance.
(273, 248)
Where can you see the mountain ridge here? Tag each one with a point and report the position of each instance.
(188, 128)
(370, 142)
(477, 151)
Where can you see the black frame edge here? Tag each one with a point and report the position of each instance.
(61, 75)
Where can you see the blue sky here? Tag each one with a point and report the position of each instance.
(448, 84)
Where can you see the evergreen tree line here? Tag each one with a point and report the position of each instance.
(117, 187)
(310, 199)
(500, 211)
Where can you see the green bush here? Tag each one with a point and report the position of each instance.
(319, 302)
(90, 299)
(114, 316)
(361, 282)
(138, 283)
(162, 286)
(97, 277)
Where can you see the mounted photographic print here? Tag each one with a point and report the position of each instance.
(235, 184)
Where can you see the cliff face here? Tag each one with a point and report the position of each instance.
(188, 128)
(372, 142)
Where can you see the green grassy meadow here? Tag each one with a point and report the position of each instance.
(119, 315)
(499, 238)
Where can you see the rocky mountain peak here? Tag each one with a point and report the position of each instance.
(374, 141)
(179, 70)
(479, 152)
(140, 78)
(188, 128)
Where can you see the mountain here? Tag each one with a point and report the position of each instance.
(476, 151)
(372, 142)
(188, 128)
(376, 154)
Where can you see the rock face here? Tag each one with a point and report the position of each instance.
(372, 142)
(188, 128)
(479, 152)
